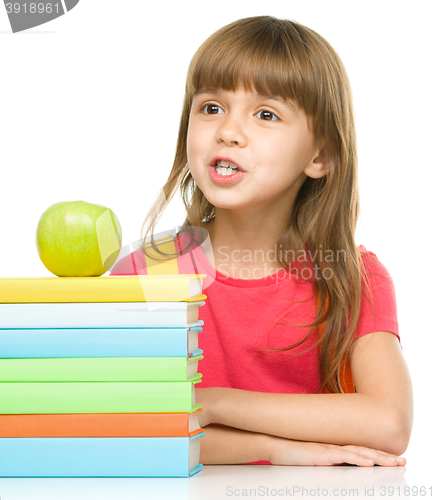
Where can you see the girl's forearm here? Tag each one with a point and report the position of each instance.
(341, 419)
(226, 445)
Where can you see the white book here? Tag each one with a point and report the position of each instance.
(100, 315)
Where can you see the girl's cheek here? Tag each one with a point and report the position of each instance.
(192, 141)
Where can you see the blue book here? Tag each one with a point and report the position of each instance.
(100, 457)
(100, 315)
(100, 342)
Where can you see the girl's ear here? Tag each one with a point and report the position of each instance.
(319, 166)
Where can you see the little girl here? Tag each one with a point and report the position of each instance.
(302, 357)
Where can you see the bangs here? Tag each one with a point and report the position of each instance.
(266, 60)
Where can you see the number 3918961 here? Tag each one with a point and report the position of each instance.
(33, 8)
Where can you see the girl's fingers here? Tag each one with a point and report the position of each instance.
(376, 456)
(288, 452)
(344, 457)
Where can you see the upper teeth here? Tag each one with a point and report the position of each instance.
(226, 164)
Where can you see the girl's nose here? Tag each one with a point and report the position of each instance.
(231, 133)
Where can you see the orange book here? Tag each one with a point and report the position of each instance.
(101, 425)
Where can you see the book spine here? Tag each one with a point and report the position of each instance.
(176, 288)
(98, 425)
(96, 397)
(99, 315)
(96, 457)
(93, 342)
(134, 369)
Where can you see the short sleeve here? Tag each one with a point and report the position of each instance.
(382, 288)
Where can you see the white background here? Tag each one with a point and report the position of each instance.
(90, 106)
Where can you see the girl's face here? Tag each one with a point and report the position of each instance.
(267, 137)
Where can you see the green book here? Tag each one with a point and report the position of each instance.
(97, 397)
(141, 369)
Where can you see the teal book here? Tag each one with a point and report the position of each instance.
(100, 457)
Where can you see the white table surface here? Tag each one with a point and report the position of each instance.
(238, 481)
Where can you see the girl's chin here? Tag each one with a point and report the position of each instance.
(225, 202)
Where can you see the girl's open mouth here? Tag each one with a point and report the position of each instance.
(225, 175)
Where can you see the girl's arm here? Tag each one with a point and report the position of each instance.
(379, 415)
(226, 445)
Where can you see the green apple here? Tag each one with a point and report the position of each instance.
(76, 238)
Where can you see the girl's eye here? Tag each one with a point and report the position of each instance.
(268, 115)
(213, 108)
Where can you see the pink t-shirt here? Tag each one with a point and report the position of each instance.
(243, 316)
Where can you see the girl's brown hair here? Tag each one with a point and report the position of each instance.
(284, 58)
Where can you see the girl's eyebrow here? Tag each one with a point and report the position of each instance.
(256, 96)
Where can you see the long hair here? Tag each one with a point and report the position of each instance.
(284, 58)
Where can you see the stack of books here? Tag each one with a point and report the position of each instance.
(97, 376)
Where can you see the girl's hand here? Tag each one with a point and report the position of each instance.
(285, 452)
